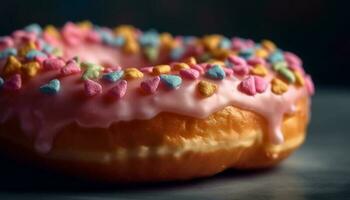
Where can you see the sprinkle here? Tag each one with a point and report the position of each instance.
(279, 65)
(1, 82)
(119, 90)
(92, 71)
(292, 59)
(211, 42)
(151, 53)
(225, 43)
(277, 56)
(287, 74)
(198, 68)
(189, 73)
(150, 86)
(113, 76)
(259, 70)
(247, 86)
(216, 72)
(268, 45)
(256, 61)
(260, 84)
(261, 53)
(161, 69)
(34, 28)
(31, 68)
(51, 88)
(278, 86)
(92, 88)
(146, 69)
(12, 66)
(299, 79)
(180, 66)
(117, 41)
(246, 53)
(53, 64)
(190, 60)
(26, 48)
(236, 60)
(6, 42)
(149, 38)
(47, 48)
(132, 73)
(177, 53)
(93, 37)
(71, 68)
(206, 89)
(241, 70)
(32, 54)
(8, 52)
(13, 83)
(171, 81)
(229, 72)
(131, 47)
(309, 85)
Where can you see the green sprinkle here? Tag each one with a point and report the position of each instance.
(287, 74)
(279, 65)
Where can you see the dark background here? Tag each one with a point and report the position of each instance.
(317, 30)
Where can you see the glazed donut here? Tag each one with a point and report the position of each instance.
(128, 106)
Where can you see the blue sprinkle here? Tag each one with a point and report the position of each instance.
(35, 53)
(246, 53)
(149, 38)
(225, 43)
(216, 72)
(106, 37)
(48, 48)
(8, 52)
(35, 28)
(113, 76)
(53, 87)
(276, 56)
(1, 82)
(171, 81)
(117, 41)
(177, 53)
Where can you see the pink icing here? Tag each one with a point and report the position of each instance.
(43, 116)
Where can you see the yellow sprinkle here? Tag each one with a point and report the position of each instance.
(131, 47)
(299, 79)
(259, 70)
(216, 62)
(191, 60)
(180, 66)
(86, 24)
(268, 45)
(161, 69)
(26, 48)
(31, 69)
(222, 54)
(12, 66)
(206, 89)
(132, 73)
(52, 30)
(211, 42)
(261, 53)
(278, 86)
(127, 31)
(167, 40)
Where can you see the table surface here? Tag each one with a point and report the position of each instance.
(320, 169)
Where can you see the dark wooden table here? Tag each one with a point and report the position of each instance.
(319, 170)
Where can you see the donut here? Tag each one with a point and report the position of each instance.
(125, 105)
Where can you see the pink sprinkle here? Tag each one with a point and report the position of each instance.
(93, 37)
(229, 72)
(53, 64)
(50, 38)
(256, 61)
(23, 36)
(72, 34)
(247, 86)
(236, 60)
(92, 88)
(241, 70)
(13, 83)
(309, 85)
(292, 59)
(119, 90)
(70, 68)
(260, 84)
(150, 86)
(6, 42)
(146, 69)
(239, 44)
(198, 68)
(297, 68)
(189, 73)
(40, 59)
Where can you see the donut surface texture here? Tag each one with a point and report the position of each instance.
(130, 106)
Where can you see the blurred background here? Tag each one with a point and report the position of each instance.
(317, 30)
